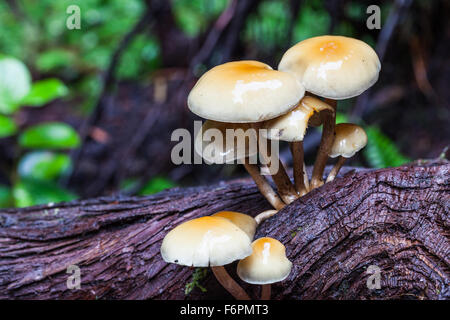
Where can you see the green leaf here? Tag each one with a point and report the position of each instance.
(313, 21)
(29, 192)
(268, 28)
(15, 83)
(192, 16)
(156, 185)
(53, 135)
(7, 127)
(44, 91)
(5, 197)
(381, 151)
(43, 165)
(341, 118)
(54, 59)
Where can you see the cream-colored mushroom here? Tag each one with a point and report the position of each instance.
(266, 265)
(209, 242)
(292, 127)
(349, 139)
(332, 67)
(248, 92)
(213, 145)
(245, 222)
(244, 92)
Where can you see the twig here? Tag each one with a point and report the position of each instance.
(213, 36)
(398, 11)
(109, 82)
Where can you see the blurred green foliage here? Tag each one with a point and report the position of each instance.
(268, 28)
(197, 276)
(38, 36)
(194, 16)
(49, 136)
(15, 84)
(7, 126)
(44, 91)
(6, 199)
(43, 165)
(34, 174)
(28, 192)
(381, 151)
(156, 185)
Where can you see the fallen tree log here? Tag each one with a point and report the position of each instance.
(395, 219)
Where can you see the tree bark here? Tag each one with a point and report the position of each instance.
(395, 219)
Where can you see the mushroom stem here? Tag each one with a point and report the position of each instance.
(284, 185)
(265, 215)
(266, 291)
(229, 284)
(329, 119)
(263, 185)
(333, 173)
(299, 174)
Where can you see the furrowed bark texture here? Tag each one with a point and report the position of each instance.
(395, 219)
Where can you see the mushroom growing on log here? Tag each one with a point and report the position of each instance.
(335, 68)
(249, 92)
(397, 219)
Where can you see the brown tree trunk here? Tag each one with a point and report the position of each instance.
(395, 219)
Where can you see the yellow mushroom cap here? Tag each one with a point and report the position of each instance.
(206, 241)
(349, 139)
(244, 91)
(333, 67)
(292, 125)
(240, 142)
(243, 221)
(267, 264)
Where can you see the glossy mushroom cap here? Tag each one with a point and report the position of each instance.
(292, 125)
(333, 67)
(206, 241)
(244, 91)
(244, 142)
(243, 221)
(267, 264)
(349, 139)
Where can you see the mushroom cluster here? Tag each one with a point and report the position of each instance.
(259, 106)
(226, 236)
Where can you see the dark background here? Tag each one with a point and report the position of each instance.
(123, 80)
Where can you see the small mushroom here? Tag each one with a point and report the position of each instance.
(266, 265)
(242, 148)
(245, 222)
(336, 68)
(292, 127)
(248, 92)
(209, 242)
(349, 139)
